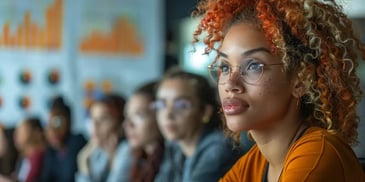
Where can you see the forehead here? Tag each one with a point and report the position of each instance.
(138, 100)
(22, 125)
(242, 37)
(176, 87)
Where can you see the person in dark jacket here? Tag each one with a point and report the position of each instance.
(60, 160)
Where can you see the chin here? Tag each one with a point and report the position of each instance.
(134, 144)
(236, 124)
(170, 137)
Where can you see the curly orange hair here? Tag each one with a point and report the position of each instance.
(317, 43)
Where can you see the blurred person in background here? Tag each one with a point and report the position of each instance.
(8, 152)
(31, 143)
(60, 158)
(143, 134)
(3, 141)
(106, 157)
(187, 116)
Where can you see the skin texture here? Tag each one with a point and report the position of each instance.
(140, 123)
(269, 99)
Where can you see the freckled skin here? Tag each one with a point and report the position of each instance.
(269, 98)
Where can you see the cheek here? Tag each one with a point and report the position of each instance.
(105, 129)
(221, 92)
(190, 121)
(20, 138)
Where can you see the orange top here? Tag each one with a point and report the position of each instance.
(316, 156)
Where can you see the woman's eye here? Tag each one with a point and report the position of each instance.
(182, 104)
(224, 68)
(158, 105)
(254, 66)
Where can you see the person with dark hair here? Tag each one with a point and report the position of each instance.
(286, 73)
(8, 153)
(143, 134)
(31, 143)
(106, 157)
(60, 158)
(3, 141)
(188, 118)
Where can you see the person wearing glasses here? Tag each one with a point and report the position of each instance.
(286, 73)
(106, 157)
(143, 134)
(187, 117)
(59, 162)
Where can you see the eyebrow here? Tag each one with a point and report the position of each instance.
(247, 53)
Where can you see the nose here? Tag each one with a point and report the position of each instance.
(127, 124)
(165, 114)
(234, 84)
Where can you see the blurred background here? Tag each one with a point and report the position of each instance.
(84, 48)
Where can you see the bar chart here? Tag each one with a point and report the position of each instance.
(30, 35)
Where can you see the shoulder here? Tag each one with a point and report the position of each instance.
(217, 146)
(76, 141)
(319, 140)
(124, 150)
(249, 167)
(319, 153)
(252, 158)
(78, 138)
(214, 140)
(214, 156)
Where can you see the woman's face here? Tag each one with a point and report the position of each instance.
(140, 123)
(21, 136)
(178, 109)
(56, 130)
(104, 124)
(252, 105)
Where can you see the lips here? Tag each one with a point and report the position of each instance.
(234, 106)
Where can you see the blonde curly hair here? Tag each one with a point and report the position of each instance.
(317, 44)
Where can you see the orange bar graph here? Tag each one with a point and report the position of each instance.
(30, 35)
(123, 39)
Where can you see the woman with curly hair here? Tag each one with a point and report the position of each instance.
(286, 73)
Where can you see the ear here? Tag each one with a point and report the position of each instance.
(298, 88)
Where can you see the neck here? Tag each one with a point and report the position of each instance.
(275, 141)
(274, 145)
(188, 144)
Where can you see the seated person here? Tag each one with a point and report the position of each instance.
(106, 158)
(187, 117)
(60, 157)
(30, 143)
(143, 134)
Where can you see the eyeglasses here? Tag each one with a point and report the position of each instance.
(56, 122)
(251, 72)
(179, 105)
